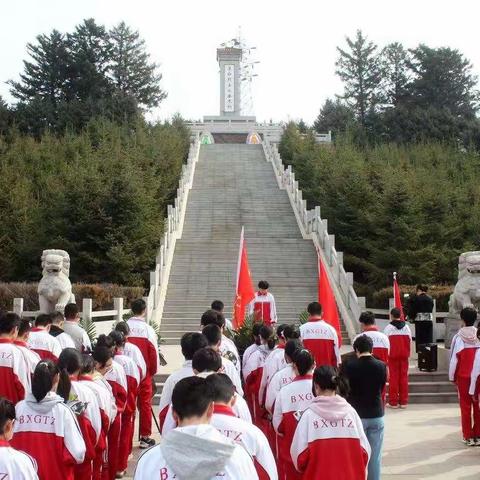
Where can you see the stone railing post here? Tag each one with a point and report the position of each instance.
(118, 307)
(87, 309)
(18, 306)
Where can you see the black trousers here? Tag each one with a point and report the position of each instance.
(423, 333)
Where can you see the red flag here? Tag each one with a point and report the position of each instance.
(397, 301)
(327, 300)
(245, 292)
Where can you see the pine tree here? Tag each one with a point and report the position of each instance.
(396, 73)
(334, 116)
(443, 79)
(359, 68)
(131, 71)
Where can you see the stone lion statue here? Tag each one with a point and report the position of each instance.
(466, 292)
(55, 289)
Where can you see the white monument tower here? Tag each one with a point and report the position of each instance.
(229, 60)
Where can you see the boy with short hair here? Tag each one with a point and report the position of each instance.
(190, 343)
(263, 305)
(144, 337)
(14, 373)
(31, 358)
(244, 433)
(228, 349)
(195, 449)
(320, 337)
(72, 327)
(214, 338)
(381, 344)
(400, 338)
(463, 349)
(57, 331)
(40, 340)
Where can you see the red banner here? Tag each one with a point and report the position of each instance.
(245, 292)
(327, 300)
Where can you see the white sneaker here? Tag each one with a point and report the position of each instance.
(388, 405)
(470, 442)
(477, 442)
(403, 407)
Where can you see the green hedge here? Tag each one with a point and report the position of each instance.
(101, 294)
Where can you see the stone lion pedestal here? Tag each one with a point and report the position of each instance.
(465, 294)
(55, 289)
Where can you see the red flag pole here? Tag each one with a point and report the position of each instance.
(397, 300)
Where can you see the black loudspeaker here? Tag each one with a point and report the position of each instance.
(427, 357)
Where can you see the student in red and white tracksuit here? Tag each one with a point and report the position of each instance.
(190, 343)
(131, 350)
(41, 342)
(254, 346)
(284, 376)
(252, 375)
(227, 347)
(14, 465)
(474, 389)
(400, 338)
(47, 429)
(263, 305)
(213, 335)
(205, 362)
(106, 403)
(195, 449)
(329, 441)
(292, 400)
(117, 380)
(14, 372)
(70, 365)
(249, 436)
(31, 358)
(320, 338)
(273, 363)
(463, 351)
(128, 416)
(144, 337)
(381, 343)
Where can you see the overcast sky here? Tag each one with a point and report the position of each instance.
(296, 42)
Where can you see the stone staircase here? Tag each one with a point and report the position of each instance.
(233, 186)
(431, 387)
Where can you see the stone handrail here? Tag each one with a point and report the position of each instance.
(173, 230)
(313, 226)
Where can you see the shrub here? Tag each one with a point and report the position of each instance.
(441, 293)
(101, 294)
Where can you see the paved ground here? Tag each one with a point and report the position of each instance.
(422, 442)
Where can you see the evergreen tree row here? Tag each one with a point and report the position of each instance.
(408, 208)
(403, 95)
(100, 194)
(73, 77)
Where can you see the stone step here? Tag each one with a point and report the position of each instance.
(437, 397)
(433, 387)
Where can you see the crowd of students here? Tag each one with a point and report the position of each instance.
(289, 408)
(67, 410)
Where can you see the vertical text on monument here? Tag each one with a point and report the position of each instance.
(229, 88)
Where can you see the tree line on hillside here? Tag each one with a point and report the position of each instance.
(410, 208)
(80, 168)
(100, 194)
(403, 95)
(75, 76)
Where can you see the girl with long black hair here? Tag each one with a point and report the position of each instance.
(47, 429)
